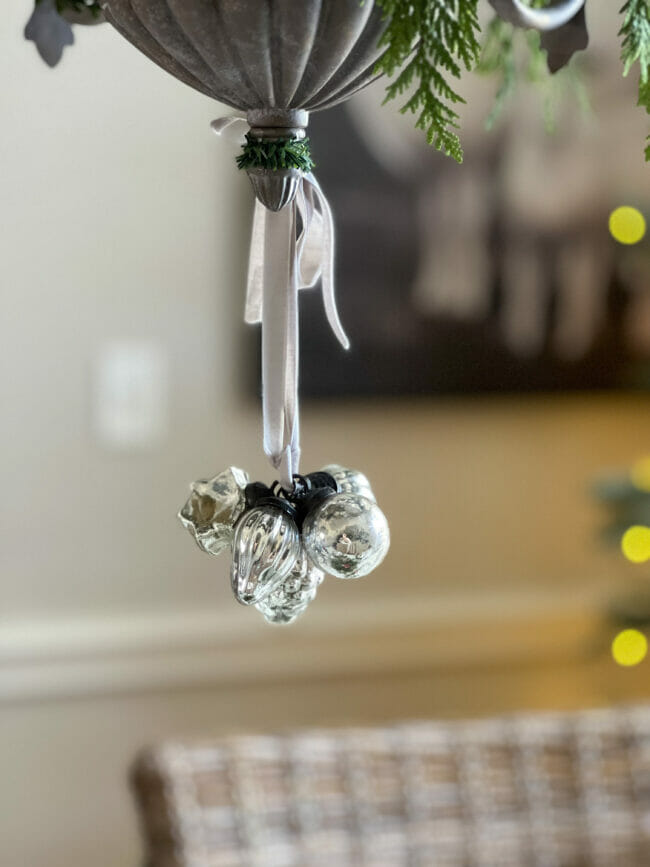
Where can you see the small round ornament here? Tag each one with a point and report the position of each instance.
(290, 599)
(213, 509)
(350, 481)
(346, 535)
(266, 546)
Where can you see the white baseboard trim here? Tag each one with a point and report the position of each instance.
(58, 659)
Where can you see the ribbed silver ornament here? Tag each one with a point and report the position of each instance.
(266, 547)
(290, 599)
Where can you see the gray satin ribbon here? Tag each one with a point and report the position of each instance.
(550, 18)
(282, 262)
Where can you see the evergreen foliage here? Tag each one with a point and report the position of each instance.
(498, 58)
(635, 31)
(427, 42)
(635, 48)
(516, 55)
(276, 154)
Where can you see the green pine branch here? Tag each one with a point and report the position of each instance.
(427, 42)
(635, 48)
(635, 31)
(498, 58)
(276, 154)
(644, 101)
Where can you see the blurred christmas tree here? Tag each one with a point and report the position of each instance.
(626, 497)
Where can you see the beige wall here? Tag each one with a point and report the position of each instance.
(121, 216)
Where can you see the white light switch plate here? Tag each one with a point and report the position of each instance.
(131, 394)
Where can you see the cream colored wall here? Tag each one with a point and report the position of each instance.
(121, 216)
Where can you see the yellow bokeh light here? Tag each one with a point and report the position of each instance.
(630, 647)
(640, 474)
(635, 544)
(627, 225)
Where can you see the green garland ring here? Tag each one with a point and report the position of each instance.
(276, 154)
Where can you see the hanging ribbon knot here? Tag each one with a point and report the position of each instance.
(290, 250)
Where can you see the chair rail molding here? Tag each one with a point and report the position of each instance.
(88, 655)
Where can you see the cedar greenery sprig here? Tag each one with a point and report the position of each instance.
(500, 57)
(644, 101)
(635, 47)
(635, 31)
(290, 153)
(428, 38)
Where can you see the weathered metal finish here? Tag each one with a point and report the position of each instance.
(275, 188)
(258, 54)
(277, 122)
(277, 60)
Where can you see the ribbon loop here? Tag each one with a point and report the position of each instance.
(281, 263)
(233, 128)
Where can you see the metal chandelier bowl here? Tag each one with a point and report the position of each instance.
(258, 54)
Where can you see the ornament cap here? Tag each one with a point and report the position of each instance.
(277, 122)
(274, 188)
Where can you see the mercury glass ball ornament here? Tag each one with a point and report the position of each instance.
(213, 509)
(266, 546)
(346, 535)
(290, 599)
(350, 481)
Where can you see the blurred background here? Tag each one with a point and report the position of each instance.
(484, 403)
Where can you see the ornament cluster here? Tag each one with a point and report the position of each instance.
(284, 542)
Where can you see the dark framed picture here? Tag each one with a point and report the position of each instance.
(500, 276)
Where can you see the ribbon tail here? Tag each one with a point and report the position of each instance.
(272, 299)
(255, 280)
(327, 263)
(309, 247)
(280, 344)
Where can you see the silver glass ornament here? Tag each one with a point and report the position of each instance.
(290, 599)
(265, 549)
(350, 481)
(346, 535)
(214, 507)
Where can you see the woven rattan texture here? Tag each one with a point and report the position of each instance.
(535, 791)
